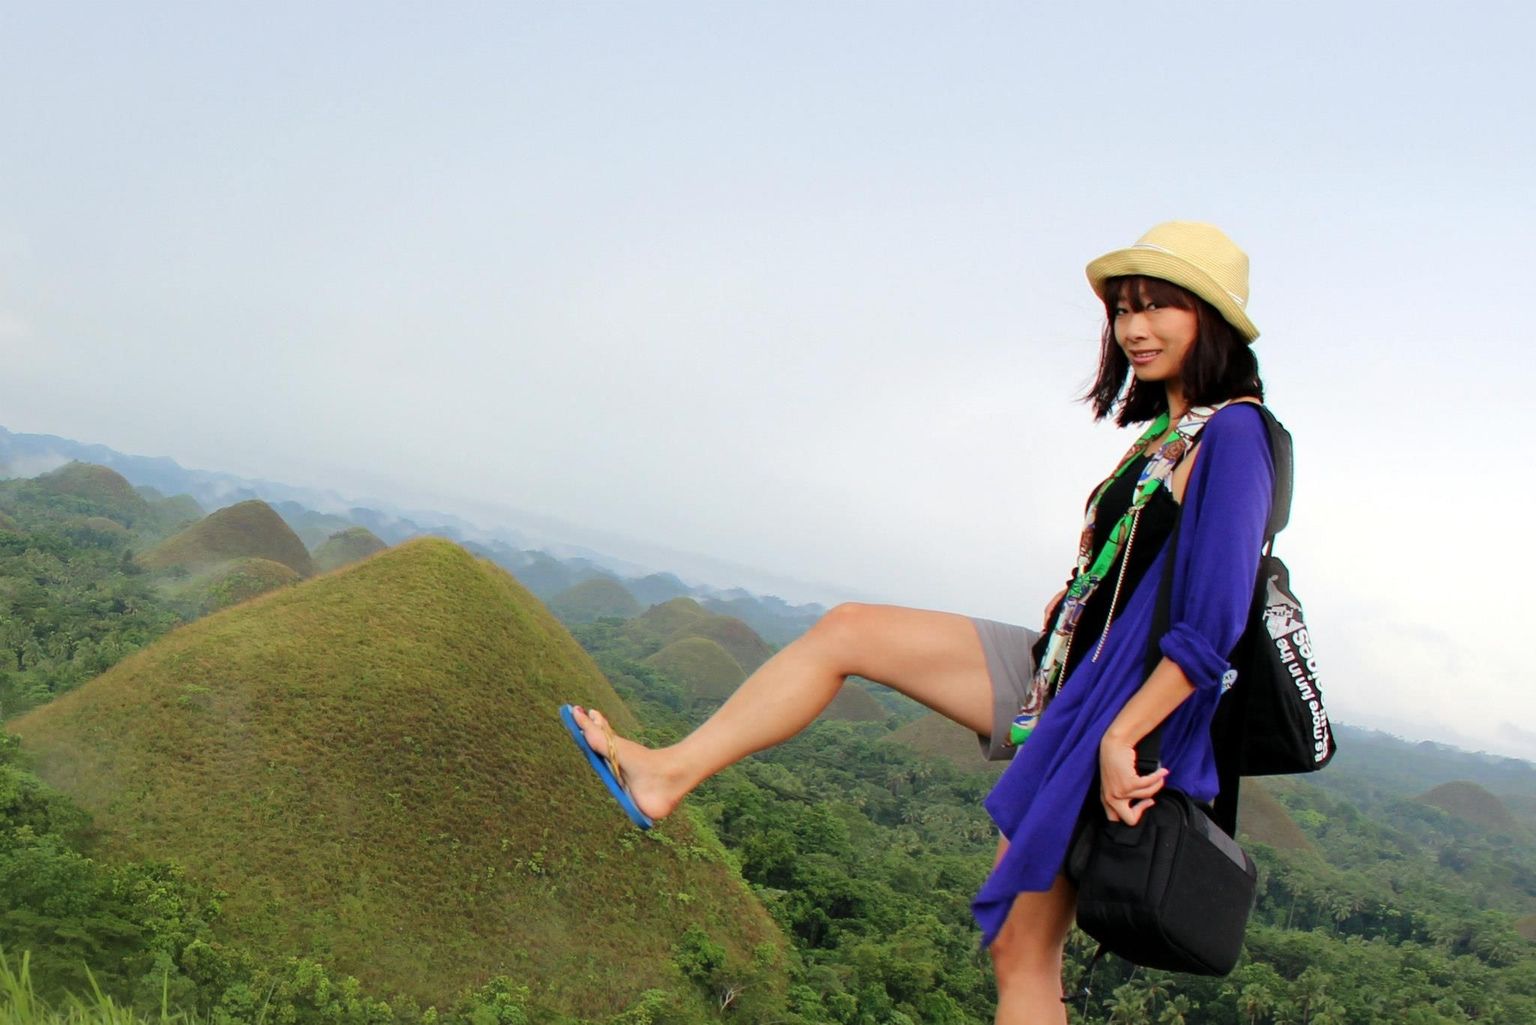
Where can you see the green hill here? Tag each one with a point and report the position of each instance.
(346, 547)
(662, 623)
(944, 738)
(656, 588)
(681, 618)
(371, 767)
(704, 669)
(731, 634)
(6, 523)
(240, 580)
(598, 598)
(1262, 818)
(1470, 803)
(247, 530)
(96, 491)
(855, 704)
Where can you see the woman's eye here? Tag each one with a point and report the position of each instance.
(1151, 306)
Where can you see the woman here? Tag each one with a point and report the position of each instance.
(1175, 352)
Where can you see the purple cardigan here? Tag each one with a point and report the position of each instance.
(1036, 802)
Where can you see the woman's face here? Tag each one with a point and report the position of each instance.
(1155, 338)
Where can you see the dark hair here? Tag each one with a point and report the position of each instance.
(1220, 365)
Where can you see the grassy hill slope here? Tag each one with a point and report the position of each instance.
(371, 766)
(346, 547)
(249, 529)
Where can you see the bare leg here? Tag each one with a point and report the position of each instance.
(932, 657)
(1027, 955)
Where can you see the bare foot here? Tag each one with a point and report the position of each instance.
(655, 788)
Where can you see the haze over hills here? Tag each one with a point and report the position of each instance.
(25, 455)
(370, 765)
(543, 553)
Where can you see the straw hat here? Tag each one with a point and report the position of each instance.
(1197, 256)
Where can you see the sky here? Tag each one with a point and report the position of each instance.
(799, 286)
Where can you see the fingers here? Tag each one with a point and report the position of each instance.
(1127, 802)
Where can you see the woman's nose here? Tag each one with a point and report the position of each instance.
(1134, 325)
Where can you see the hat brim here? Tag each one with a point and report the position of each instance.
(1157, 264)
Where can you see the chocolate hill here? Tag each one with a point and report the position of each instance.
(681, 618)
(1471, 803)
(371, 766)
(247, 530)
(98, 491)
(239, 580)
(102, 487)
(704, 670)
(932, 734)
(346, 547)
(597, 598)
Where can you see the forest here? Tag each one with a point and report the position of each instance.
(1401, 896)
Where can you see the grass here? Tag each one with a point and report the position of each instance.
(371, 766)
(20, 1004)
(246, 530)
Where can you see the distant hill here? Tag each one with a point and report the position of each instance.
(6, 523)
(345, 547)
(704, 669)
(314, 528)
(855, 704)
(598, 598)
(774, 619)
(247, 530)
(98, 491)
(1471, 803)
(666, 622)
(932, 734)
(681, 618)
(236, 581)
(370, 766)
(1368, 759)
(657, 588)
(1262, 818)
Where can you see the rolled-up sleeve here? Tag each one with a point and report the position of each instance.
(1221, 533)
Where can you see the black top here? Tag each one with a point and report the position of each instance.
(1156, 523)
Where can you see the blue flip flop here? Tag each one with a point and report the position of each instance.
(605, 771)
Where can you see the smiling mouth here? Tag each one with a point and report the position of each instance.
(1144, 357)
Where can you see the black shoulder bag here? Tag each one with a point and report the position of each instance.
(1175, 890)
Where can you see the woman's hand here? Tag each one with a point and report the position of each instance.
(1124, 794)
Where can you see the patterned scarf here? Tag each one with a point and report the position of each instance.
(1092, 568)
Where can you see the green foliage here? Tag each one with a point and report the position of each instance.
(72, 601)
